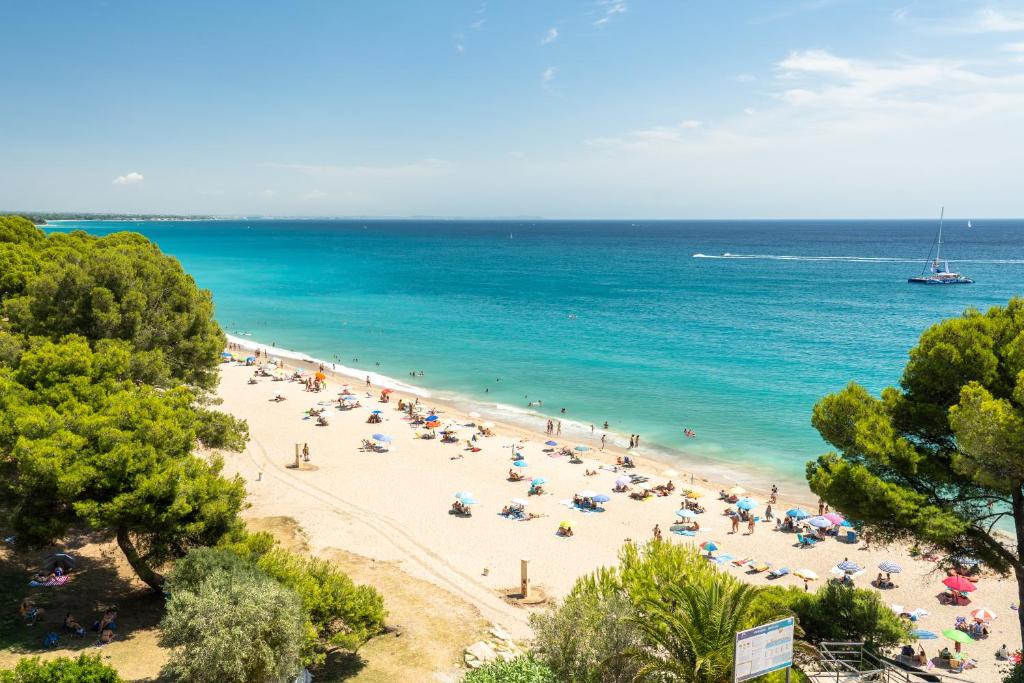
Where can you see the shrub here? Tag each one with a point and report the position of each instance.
(84, 669)
(518, 670)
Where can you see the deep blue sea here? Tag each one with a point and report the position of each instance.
(614, 321)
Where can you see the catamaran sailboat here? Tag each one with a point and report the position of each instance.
(940, 273)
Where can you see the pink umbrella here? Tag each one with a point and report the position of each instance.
(959, 583)
(834, 517)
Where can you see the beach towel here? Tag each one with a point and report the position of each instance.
(55, 581)
(722, 559)
(684, 532)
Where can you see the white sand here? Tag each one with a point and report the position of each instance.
(394, 506)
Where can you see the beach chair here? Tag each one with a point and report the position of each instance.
(851, 536)
(743, 562)
(806, 541)
(758, 567)
(778, 573)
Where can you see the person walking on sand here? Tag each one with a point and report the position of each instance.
(305, 452)
(735, 524)
(604, 437)
(657, 532)
(750, 526)
(636, 444)
(368, 380)
(558, 431)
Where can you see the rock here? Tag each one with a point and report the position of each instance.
(482, 650)
(500, 633)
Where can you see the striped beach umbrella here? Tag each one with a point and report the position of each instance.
(890, 567)
(848, 566)
(819, 522)
(983, 614)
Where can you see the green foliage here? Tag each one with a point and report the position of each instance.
(95, 324)
(518, 670)
(339, 613)
(663, 613)
(839, 613)
(1015, 675)
(115, 287)
(938, 460)
(84, 669)
(237, 625)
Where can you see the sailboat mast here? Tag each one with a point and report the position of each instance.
(938, 248)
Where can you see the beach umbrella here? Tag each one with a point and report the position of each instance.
(846, 523)
(959, 583)
(710, 546)
(468, 500)
(622, 481)
(463, 494)
(686, 514)
(519, 501)
(849, 566)
(485, 425)
(550, 443)
(473, 414)
(834, 517)
(225, 354)
(587, 494)
(966, 561)
(819, 522)
(957, 636)
(564, 524)
(582, 449)
(890, 567)
(746, 504)
(693, 494)
(600, 498)
(348, 397)
(383, 438)
(806, 574)
(737, 491)
(798, 513)
(983, 614)
(923, 635)
(62, 559)
(386, 391)
(375, 412)
(432, 418)
(250, 359)
(520, 463)
(537, 481)
(320, 376)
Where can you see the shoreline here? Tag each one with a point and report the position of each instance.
(531, 428)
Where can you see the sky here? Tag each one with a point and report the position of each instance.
(547, 108)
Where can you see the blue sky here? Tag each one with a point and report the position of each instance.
(574, 108)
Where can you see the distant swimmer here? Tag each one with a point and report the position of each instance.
(572, 316)
(690, 433)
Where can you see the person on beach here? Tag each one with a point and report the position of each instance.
(750, 526)
(768, 513)
(558, 427)
(821, 507)
(305, 452)
(606, 424)
(735, 523)
(591, 430)
(657, 532)
(604, 437)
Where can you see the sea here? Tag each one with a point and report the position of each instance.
(729, 329)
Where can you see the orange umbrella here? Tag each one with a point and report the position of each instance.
(321, 376)
(386, 391)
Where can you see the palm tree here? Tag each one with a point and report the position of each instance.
(690, 629)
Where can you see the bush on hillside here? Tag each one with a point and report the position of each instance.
(518, 670)
(84, 669)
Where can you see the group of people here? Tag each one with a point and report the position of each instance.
(554, 428)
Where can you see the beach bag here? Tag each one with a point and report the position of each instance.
(51, 640)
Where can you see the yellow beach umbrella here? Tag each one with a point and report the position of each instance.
(737, 490)
(565, 524)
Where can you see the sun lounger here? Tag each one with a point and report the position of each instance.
(806, 541)
(778, 573)
(742, 562)
(758, 567)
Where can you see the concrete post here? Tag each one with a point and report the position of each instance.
(524, 578)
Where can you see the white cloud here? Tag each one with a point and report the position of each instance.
(987, 20)
(548, 74)
(460, 48)
(129, 179)
(1013, 47)
(479, 24)
(611, 8)
(550, 36)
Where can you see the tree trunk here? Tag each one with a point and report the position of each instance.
(1018, 569)
(144, 571)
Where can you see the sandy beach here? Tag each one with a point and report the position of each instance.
(394, 506)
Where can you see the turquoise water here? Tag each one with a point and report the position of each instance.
(613, 321)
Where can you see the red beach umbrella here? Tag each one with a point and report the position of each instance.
(959, 583)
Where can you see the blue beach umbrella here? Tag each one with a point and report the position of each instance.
(432, 418)
(849, 566)
(383, 438)
(798, 513)
(348, 397)
(520, 463)
(225, 354)
(550, 443)
(890, 567)
(250, 359)
(819, 522)
(600, 498)
(538, 481)
(582, 449)
(468, 500)
(709, 546)
(375, 412)
(463, 494)
(746, 504)
(923, 635)
(686, 514)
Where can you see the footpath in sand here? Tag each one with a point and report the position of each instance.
(394, 506)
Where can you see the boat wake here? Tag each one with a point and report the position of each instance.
(848, 259)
